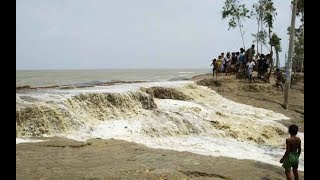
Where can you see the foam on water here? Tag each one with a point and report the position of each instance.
(203, 123)
(200, 144)
(28, 140)
(46, 95)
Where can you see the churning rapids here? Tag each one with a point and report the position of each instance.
(172, 115)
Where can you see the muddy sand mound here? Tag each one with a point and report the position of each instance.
(165, 93)
(257, 87)
(209, 82)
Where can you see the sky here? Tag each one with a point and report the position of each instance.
(105, 34)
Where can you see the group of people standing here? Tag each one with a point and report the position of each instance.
(242, 63)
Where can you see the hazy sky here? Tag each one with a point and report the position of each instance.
(86, 34)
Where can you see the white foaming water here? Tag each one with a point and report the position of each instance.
(58, 95)
(28, 140)
(208, 125)
(129, 130)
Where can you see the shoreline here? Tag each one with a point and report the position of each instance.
(260, 95)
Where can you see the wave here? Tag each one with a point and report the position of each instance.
(200, 110)
(77, 85)
(47, 118)
(171, 115)
(179, 79)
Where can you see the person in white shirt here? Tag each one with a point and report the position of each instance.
(241, 69)
(250, 66)
(222, 69)
(227, 63)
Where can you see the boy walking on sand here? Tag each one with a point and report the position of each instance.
(290, 158)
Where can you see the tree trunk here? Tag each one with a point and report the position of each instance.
(257, 46)
(258, 37)
(285, 59)
(278, 63)
(271, 60)
(239, 23)
(261, 29)
(244, 47)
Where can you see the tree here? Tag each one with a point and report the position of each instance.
(237, 13)
(300, 9)
(258, 11)
(276, 43)
(299, 45)
(270, 14)
(298, 59)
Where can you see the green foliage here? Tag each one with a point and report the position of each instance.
(300, 9)
(298, 58)
(236, 12)
(276, 42)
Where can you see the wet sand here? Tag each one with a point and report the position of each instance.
(116, 159)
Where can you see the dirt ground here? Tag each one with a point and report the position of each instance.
(115, 159)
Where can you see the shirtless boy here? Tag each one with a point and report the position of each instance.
(290, 158)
